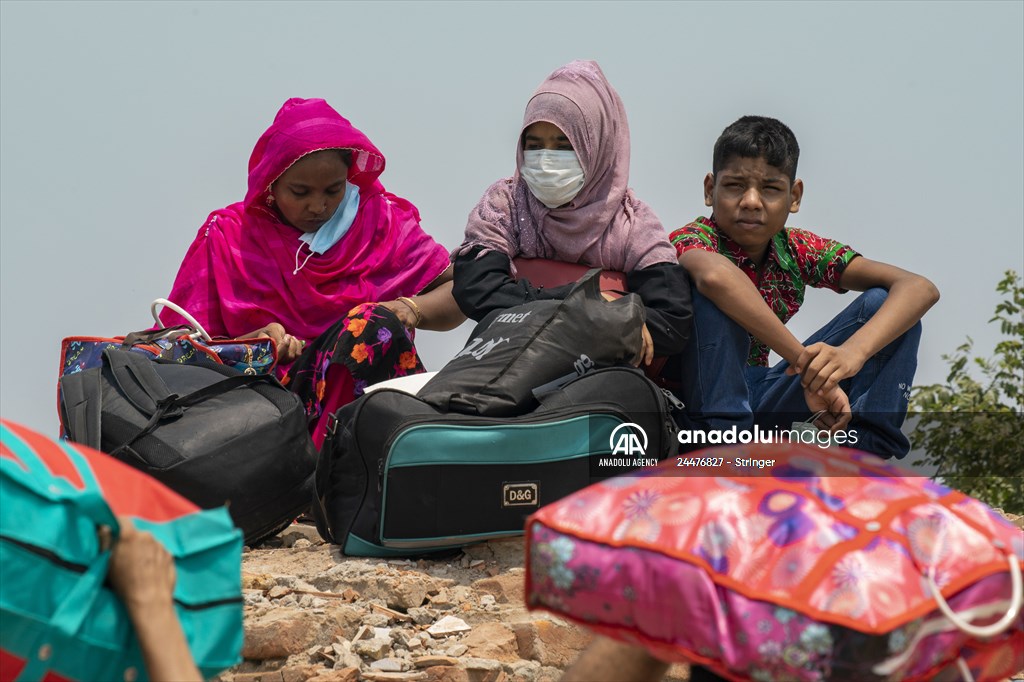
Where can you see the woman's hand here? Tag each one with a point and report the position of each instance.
(288, 347)
(403, 311)
(646, 347)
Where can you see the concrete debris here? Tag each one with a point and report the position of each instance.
(449, 625)
(430, 661)
(312, 614)
(390, 665)
(374, 648)
(395, 677)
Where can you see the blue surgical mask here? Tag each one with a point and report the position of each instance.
(331, 232)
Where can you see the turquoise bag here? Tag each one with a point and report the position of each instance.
(57, 617)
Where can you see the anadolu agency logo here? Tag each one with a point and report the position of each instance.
(624, 441)
(628, 443)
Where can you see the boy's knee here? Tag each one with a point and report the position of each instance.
(707, 317)
(872, 299)
(914, 333)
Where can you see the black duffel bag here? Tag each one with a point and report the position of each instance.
(211, 434)
(396, 477)
(514, 354)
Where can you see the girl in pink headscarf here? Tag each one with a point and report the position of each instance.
(303, 259)
(569, 201)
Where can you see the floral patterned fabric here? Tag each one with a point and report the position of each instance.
(250, 356)
(814, 570)
(368, 345)
(796, 259)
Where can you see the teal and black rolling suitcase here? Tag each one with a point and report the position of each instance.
(396, 477)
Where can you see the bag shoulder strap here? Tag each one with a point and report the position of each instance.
(138, 380)
(81, 403)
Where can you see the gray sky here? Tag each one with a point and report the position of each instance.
(122, 125)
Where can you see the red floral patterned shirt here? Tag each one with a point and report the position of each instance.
(796, 259)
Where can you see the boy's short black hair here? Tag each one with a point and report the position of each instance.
(758, 136)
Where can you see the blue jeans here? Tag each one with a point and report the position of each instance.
(720, 390)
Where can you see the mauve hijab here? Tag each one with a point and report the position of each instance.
(605, 225)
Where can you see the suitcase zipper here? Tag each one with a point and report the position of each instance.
(471, 420)
(82, 568)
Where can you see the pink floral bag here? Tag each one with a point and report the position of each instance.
(826, 565)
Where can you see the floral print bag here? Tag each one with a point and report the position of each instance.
(821, 565)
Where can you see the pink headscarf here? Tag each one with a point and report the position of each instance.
(238, 274)
(605, 225)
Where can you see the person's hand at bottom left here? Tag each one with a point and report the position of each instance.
(142, 574)
(141, 570)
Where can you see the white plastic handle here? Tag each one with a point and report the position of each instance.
(181, 311)
(965, 672)
(993, 629)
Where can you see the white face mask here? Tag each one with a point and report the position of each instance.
(554, 176)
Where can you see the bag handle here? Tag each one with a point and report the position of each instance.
(993, 629)
(589, 285)
(150, 335)
(200, 332)
(139, 381)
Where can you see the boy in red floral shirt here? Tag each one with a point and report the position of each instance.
(749, 273)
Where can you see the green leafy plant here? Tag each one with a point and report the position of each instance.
(971, 428)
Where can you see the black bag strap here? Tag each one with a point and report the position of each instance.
(138, 380)
(150, 335)
(322, 479)
(81, 402)
(229, 384)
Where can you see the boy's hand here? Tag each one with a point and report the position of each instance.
(821, 367)
(836, 405)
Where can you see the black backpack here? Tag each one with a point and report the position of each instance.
(211, 434)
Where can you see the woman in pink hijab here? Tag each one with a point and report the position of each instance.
(307, 255)
(569, 201)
